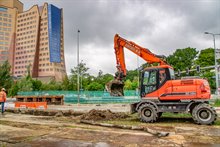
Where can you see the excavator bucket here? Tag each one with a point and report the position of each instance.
(115, 87)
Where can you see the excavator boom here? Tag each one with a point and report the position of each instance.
(115, 87)
(144, 53)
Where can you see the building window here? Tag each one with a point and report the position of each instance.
(3, 9)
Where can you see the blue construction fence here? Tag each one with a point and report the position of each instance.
(88, 97)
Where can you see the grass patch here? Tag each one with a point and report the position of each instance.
(217, 122)
(217, 103)
(176, 115)
(167, 119)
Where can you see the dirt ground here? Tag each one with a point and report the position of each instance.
(19, 130)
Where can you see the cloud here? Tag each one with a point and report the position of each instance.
(162, 26)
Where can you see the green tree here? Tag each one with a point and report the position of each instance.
(135, 83)
(13, 90)
(66, 84)
(52, 85)
(210, 77)
(5, 76)
(83, 72)
(183, 58)
(25, 84)
(128, 85)
(81, 68)
(94, 86)
(36, 85)
(107, 77)
(206, 57)
(131, 85)
(99, 78)
(131, 74)
(103, 78)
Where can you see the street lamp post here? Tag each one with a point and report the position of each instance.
(216, 65)
(81, 77)
(78, 64)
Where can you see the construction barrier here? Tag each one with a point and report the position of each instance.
(34, 105)
(49, 99)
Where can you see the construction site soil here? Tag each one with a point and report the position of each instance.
(96, 115)
(59, 128)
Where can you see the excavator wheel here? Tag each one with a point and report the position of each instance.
(159, 114)
(204, 114)
(148, 113)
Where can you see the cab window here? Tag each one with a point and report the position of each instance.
(162, 76)
(149, 81)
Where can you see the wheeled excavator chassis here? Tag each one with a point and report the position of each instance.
(150, 110)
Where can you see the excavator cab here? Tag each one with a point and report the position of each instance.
(154, 78)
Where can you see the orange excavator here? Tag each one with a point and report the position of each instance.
(159, 91)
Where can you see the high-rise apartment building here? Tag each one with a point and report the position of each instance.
(38, 44)
(8, 13)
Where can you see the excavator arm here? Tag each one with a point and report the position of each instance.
(115, 87)
(121, 43)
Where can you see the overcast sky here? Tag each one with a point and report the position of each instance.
(159, 25)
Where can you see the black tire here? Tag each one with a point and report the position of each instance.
(191, 110)
(204, 114)
(192, 107)
(159, 114)
(147, 113)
